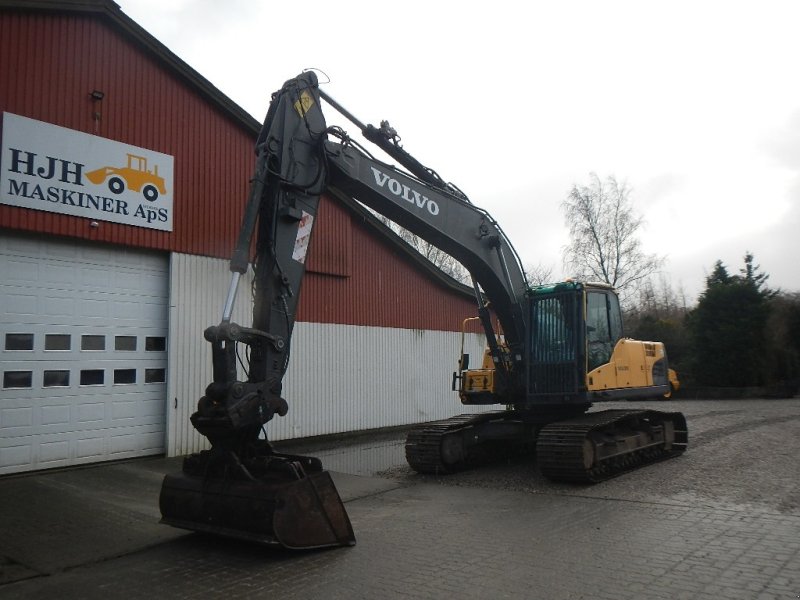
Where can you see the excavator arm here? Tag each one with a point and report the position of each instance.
(295, 163)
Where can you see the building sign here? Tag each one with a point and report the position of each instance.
(51, 168)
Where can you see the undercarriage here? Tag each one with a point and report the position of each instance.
(584, 449)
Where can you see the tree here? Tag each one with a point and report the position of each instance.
(728, 328)
(783, 343)
(538, 274)
(659, 314)
(604, 229)
(440, 259)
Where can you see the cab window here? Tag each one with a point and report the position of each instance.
(603, 326)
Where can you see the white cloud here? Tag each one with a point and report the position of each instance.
(695, 104)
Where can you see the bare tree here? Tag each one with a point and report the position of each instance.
(443, 261)
(604, 243)
(538, 274)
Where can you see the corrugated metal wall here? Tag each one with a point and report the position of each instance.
(341, 377)
(197, 291)
(49, 64)
(346, 378)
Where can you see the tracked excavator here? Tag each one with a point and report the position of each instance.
(556, 350)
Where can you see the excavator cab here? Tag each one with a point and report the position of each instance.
(577, 353)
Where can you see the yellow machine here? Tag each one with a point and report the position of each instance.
(584, 344)
(135, 176)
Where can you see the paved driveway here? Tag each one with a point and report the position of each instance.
(722, 521)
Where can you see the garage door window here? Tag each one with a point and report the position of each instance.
(124, 376)
(57, 341)
(155, 375)
(92, 377)
(155, 344)
(55, 378)
(125, 343)
(19, 341)
(93, 342)
(17, 379)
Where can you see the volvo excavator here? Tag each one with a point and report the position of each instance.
(557, 349)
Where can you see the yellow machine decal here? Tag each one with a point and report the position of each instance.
(136, 176)
(479, 380)
(304, 104)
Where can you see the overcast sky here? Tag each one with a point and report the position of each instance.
(696, 105)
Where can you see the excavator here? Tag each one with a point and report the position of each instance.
(556, 350)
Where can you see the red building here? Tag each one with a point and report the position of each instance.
(124, 173)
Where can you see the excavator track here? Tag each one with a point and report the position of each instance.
(437, 447)
(601, 445)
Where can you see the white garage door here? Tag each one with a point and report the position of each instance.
(84, 352)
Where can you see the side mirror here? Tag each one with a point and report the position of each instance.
(463, 364)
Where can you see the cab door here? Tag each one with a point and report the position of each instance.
(603, 326)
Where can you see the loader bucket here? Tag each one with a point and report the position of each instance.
(299, 514)
(99, 176)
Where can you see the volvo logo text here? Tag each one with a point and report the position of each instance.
(403, 191)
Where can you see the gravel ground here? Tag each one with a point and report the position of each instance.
(743, 454)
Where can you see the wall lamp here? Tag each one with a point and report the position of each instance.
(96, 96)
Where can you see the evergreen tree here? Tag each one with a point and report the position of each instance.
(783, 344)
(728, 328)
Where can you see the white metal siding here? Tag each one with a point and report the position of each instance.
(345, 378)
(109, 308)
(341, 378)
(197, 291)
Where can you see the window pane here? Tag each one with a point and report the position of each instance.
(122, 376)
(155, 344)
(154, 375)
(92, 377)
(597, 317)
(598, 335)
(19, 341)
(57, 341)
(615, 317)
(17, 379)
(56, 379)
(125, 343)
(93, 342)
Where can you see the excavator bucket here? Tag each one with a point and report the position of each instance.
(299, 514)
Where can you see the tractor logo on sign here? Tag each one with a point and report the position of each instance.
(135, 177)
